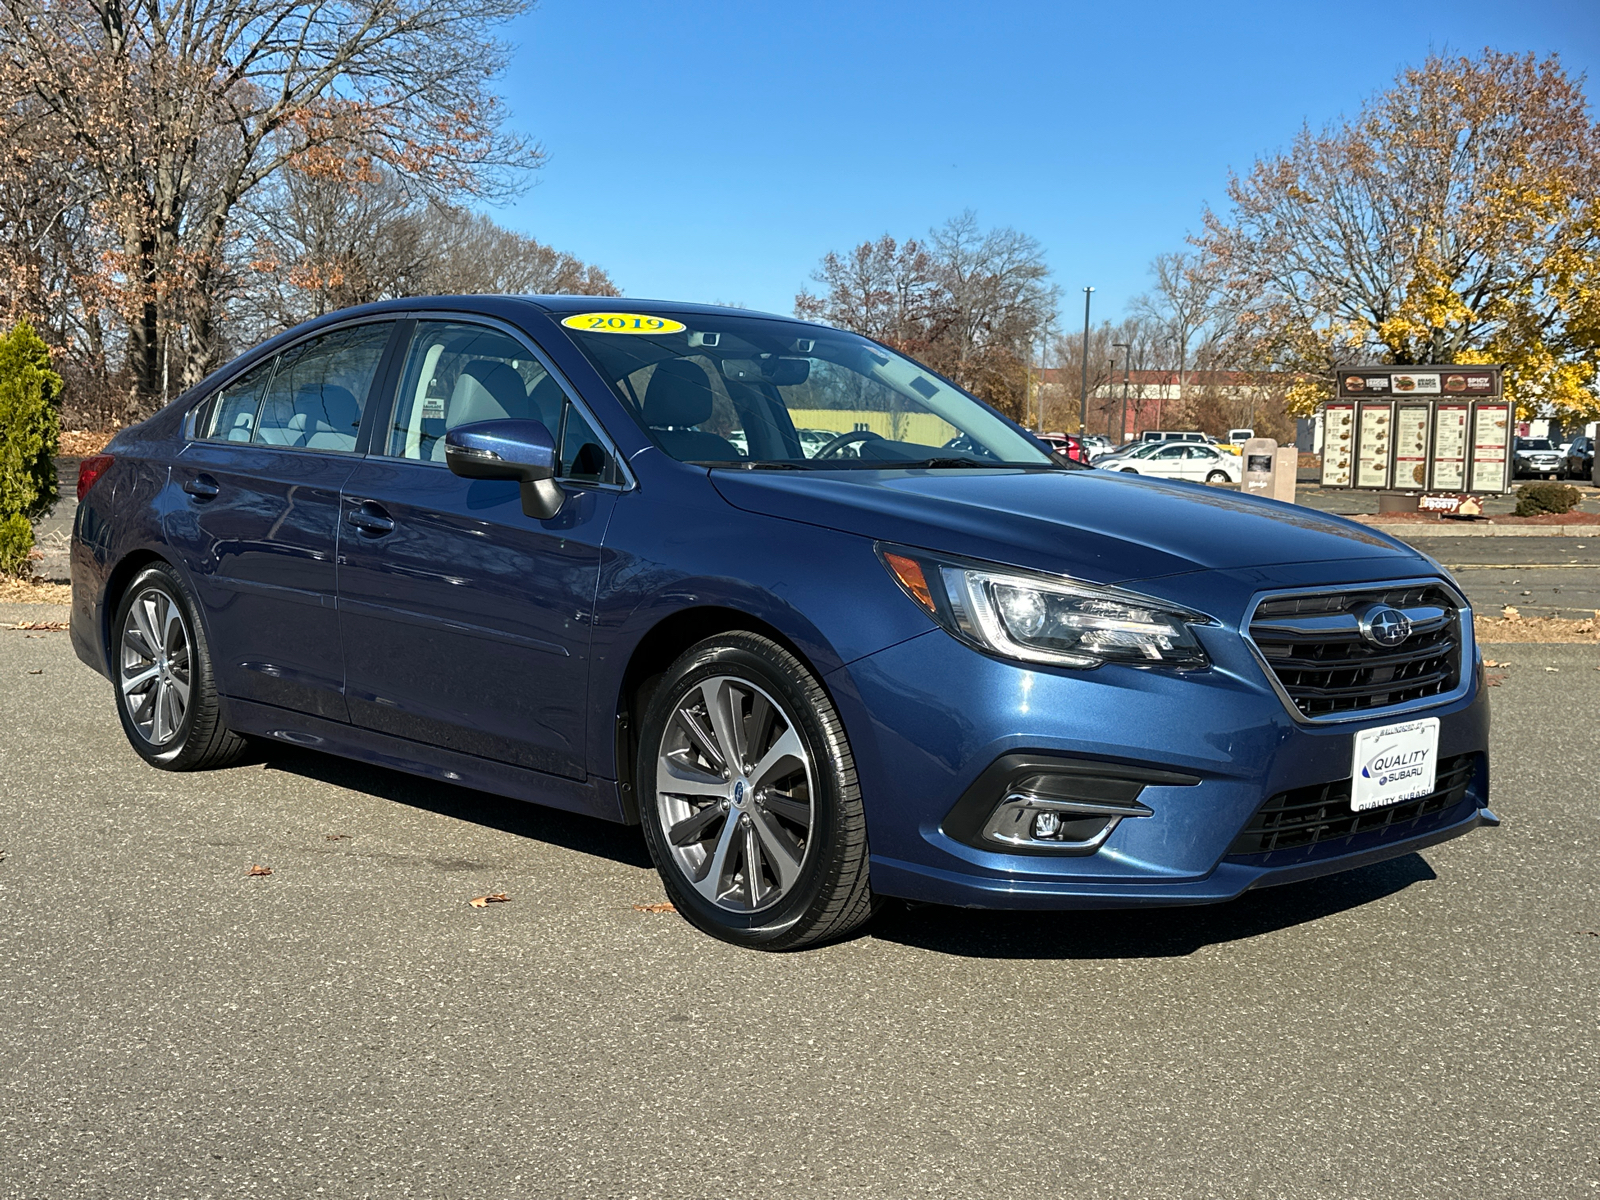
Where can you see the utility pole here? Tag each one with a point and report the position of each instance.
(1127, 352)
(1083, 405)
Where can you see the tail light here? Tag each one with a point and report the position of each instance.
(90, 470)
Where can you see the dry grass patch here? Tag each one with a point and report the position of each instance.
(1512, 626)
(81, 443)
(33, 591)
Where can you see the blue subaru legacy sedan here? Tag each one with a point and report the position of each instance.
(829, 628)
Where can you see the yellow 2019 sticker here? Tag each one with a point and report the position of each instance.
(614, 322)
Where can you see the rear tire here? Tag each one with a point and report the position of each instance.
(1218, 477)
(161, 671)
(759, 832)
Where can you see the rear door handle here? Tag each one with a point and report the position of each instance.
(371, 519)
(202, 487)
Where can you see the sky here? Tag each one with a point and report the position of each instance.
(714, 152)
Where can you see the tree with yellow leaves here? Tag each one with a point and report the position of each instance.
(1455, 219)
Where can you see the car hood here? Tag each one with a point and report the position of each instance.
(1094, 525)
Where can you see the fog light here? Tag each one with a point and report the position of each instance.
(1040, 812)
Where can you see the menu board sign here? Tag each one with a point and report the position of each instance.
(1400, 382)
(1491, 437)
(1411, 445)
(1338, 444)
(1372, 445)
(1450, 447)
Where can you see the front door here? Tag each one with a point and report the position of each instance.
(257, 521)
(465, 623)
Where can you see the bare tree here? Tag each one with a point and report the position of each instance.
(311, 244)
(971, 303)
(883, 289)
(178, 113)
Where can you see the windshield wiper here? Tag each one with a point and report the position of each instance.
(759, 464)
(933, 463)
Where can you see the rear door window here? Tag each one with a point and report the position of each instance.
(231, 414)
(319, 391)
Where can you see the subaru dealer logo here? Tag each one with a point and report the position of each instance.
(1385, 626)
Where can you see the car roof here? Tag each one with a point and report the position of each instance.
(571, 304)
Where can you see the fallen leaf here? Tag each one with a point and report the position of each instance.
(336, 837)
(40, 671)
(1489, 662)
(1497, 680)
(1557, 669)
(654, 908)
(485, 901)
(256, 869)
(1510, 613)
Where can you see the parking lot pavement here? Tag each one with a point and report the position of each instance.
(349, 1026)
(1541, 577)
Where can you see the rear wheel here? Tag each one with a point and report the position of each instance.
(1129, 471)
(166, 692)
(1218, 477)
(749, 799)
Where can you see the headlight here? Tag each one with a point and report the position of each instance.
(1045, 618)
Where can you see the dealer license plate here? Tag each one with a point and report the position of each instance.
(1394, 764)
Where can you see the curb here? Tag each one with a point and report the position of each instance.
(1404, 532)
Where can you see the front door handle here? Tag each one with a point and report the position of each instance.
(202, 487)
(371, 519)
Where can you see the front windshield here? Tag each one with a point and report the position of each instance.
(752, 391)
(1533, 444)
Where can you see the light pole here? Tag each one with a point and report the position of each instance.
(1083, 403)
(1127, 353)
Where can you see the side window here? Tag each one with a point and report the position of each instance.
(1173, 452)
(320, 388)
(457, 373)
(583, 455)
(231, 414)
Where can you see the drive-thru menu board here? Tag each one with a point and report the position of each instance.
(1338, 443)
(1450, 447)
(1491, 436)
(1444, 428)
(1411, 445)
(1373, 445)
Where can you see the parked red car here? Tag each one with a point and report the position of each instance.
(1067, 445)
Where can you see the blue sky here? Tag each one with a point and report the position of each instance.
(714, 151)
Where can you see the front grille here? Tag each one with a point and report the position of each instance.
(1311, 815)
(1315, 647)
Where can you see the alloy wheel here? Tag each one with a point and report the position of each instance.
(734, 792)
(155, 673)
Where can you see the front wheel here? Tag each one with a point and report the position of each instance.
(166, 692)
(749, 800)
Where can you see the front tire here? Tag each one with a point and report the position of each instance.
(749, 799)
(165, 688)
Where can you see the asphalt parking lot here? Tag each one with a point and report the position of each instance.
(349, 1026)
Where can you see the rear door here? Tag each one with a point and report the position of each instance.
(465, 623)
(257, 523)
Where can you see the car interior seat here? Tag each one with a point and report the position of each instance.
(485, 391)
(678, 398)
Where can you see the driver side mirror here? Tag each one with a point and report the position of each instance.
(519, 450)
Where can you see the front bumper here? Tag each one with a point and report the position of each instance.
(928, 717)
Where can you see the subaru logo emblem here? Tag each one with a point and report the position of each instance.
(1385, 626)
(738, 790)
